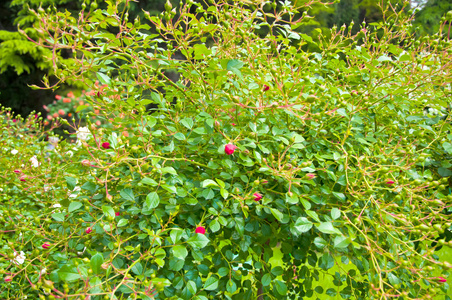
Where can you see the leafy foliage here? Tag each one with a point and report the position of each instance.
(327, 157)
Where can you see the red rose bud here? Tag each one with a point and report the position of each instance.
(88, 230)
(442, 279)
(200, 230)
(45, 245)
(8, 278)
(390, 182)
(106, 145)
(117, 214)
(265, 88)
(17, 171)
(229, 149)
(23, 178)
(257, 197)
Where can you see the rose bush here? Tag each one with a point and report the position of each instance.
(260, 146)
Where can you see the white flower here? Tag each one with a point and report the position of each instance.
(34, 161)
(56, 205)
(80, 253)
(83, 133)
(53, 140)
(14, 152)
(70, 153)
(43, 271)
(76, 189)
(19, 259)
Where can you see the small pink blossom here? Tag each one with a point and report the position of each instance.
(46, 245)
(8, 278)
(442, 279)
(229, 149)
(390, 182)
(233, 124)
(86, 162)
(61, 112)
(200, 230)
(14, 120)
(88, 230)
(106, 145)
(117, 214)
(265, 88)
(58, 97)
(257, 197)
(17, 171)
(23, 178)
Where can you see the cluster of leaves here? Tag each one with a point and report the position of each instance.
(328, 156)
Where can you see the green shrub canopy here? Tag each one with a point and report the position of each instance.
(327, 158)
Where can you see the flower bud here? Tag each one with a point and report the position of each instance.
(200, 230)
(229, 149)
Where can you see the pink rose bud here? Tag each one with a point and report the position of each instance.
(45, 107)
(61, 112)
(310, 175)
(117, 214)
(200, 230)
(98, 123)
(17, 171)
(58, 97)
(106, 145)
(229, 149)
(14, 120)
(257, 197)
(45, 245)
(88, 230)
(22, 178)
(49, 117)
(442, 279)
(233, 124)
(265, 88)
(85, 162)
(390, 182)
(8, 278)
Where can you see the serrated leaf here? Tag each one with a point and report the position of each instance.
(328, 228)
(303, 224)
(71, 182)
(266, 279)
(209, 182)
(180, 251)
(96, 262)
(214, 225)
(152, 200)
(281, 287)
(198, 241)
(277, 214)
(59, 217)
(104, 79)
(122, 222)
(187, 122)
(68, 273)
(341, 242)
(74, 206)
(211, 283)
(335, 213)
(127, 194)
(191, 285)
(108, 211)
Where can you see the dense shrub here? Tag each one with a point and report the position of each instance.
(328, 157)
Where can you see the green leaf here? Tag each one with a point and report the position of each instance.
(335, 213)
(209, 182)
(198, 241)
(341, 242)
(152, 200)
(68, 273)
(74, 206)
(59, 217)
(231, 286)
(211, 283)
(122, 222)
(191, 285)
(169, 170)
(266, 279)
(303, 224)
(281, 287)
(448, 147)
(313, 215)
(214, 225)
(180, 251)
(108, 211)
(127, 194)
(320, 242)
(328, 228)
(137, 268)
(277, 214)
(104, 79)
(187, 122)
(71, 182)
(96, 263)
